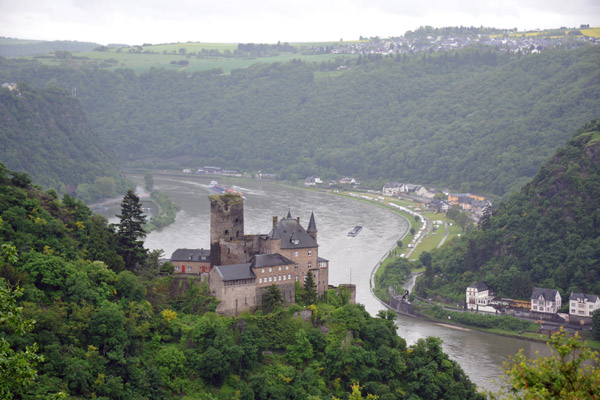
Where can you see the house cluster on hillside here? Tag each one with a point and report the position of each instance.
(239, 268)
(506, 42)
(472, 203)
(396, 189)
(544, 304)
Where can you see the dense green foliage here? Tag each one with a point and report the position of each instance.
(109, 333)
(167, 211)
(481, 117)
(17, 368)
(570, 372)
(547, 235)
(45, 133)
(503, 322)
(395, 274)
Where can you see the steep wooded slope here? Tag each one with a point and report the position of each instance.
(46, 134)
(482, 118)
(546, 235)
(114, 334)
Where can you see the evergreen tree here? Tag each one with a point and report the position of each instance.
(310, 289)
(131, 230)
(273, 297)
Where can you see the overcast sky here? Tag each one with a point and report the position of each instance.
(269, 21)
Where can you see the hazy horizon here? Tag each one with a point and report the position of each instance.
(270, 21)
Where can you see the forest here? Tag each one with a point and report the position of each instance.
(477, 119)
(87, 313)
(45, 133)
(546, 235)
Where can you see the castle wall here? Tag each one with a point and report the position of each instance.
(234, 299)
(322, 280)
(288, 292)
(232, 252)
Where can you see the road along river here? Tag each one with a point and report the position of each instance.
(351, 259)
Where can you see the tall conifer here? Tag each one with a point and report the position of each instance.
(131, 230)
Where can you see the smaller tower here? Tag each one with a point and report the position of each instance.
(226, 225)
(312, 227)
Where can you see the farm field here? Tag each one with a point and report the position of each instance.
(174, 57)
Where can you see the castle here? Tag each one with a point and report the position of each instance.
(240, 268)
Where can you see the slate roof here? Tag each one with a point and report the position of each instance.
(480, 286)
(547, 294)
(269, 260)
(289, 229)
(235, 271)
(321, 259)
(190, 255)
(392, 185)
(577, 296)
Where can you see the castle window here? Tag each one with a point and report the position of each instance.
(309, 265)
(286, 267)
(279, 268)
(270, 279)
(226, 231)
(259, 280)
(297, 278)
(270, 269)
(279, 277)
(296, 266)
(295, 254)
(310, 252)
(284, 277)
(289, 276)
(262, 270)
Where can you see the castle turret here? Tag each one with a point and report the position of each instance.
(312, 226)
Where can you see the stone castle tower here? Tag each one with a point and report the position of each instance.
(227, 243)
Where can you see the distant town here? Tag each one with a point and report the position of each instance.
(445, 39)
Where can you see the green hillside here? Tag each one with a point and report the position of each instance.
(10, 47)
(46, 134)
(547, 235)
(480, 120)
(109, 333)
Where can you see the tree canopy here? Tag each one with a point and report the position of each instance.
(483, 119)
(546, 235)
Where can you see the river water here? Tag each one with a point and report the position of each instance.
(351, 259)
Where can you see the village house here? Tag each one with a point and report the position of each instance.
(191, 261)
(545, 302)
(312, 181)
(438, 206)
(409, 188)
(479, 296)
(463, 200)
(423, 192)
(582, 306)
(391, 189)
(346, 180)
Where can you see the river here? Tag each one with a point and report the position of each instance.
(351, 259)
